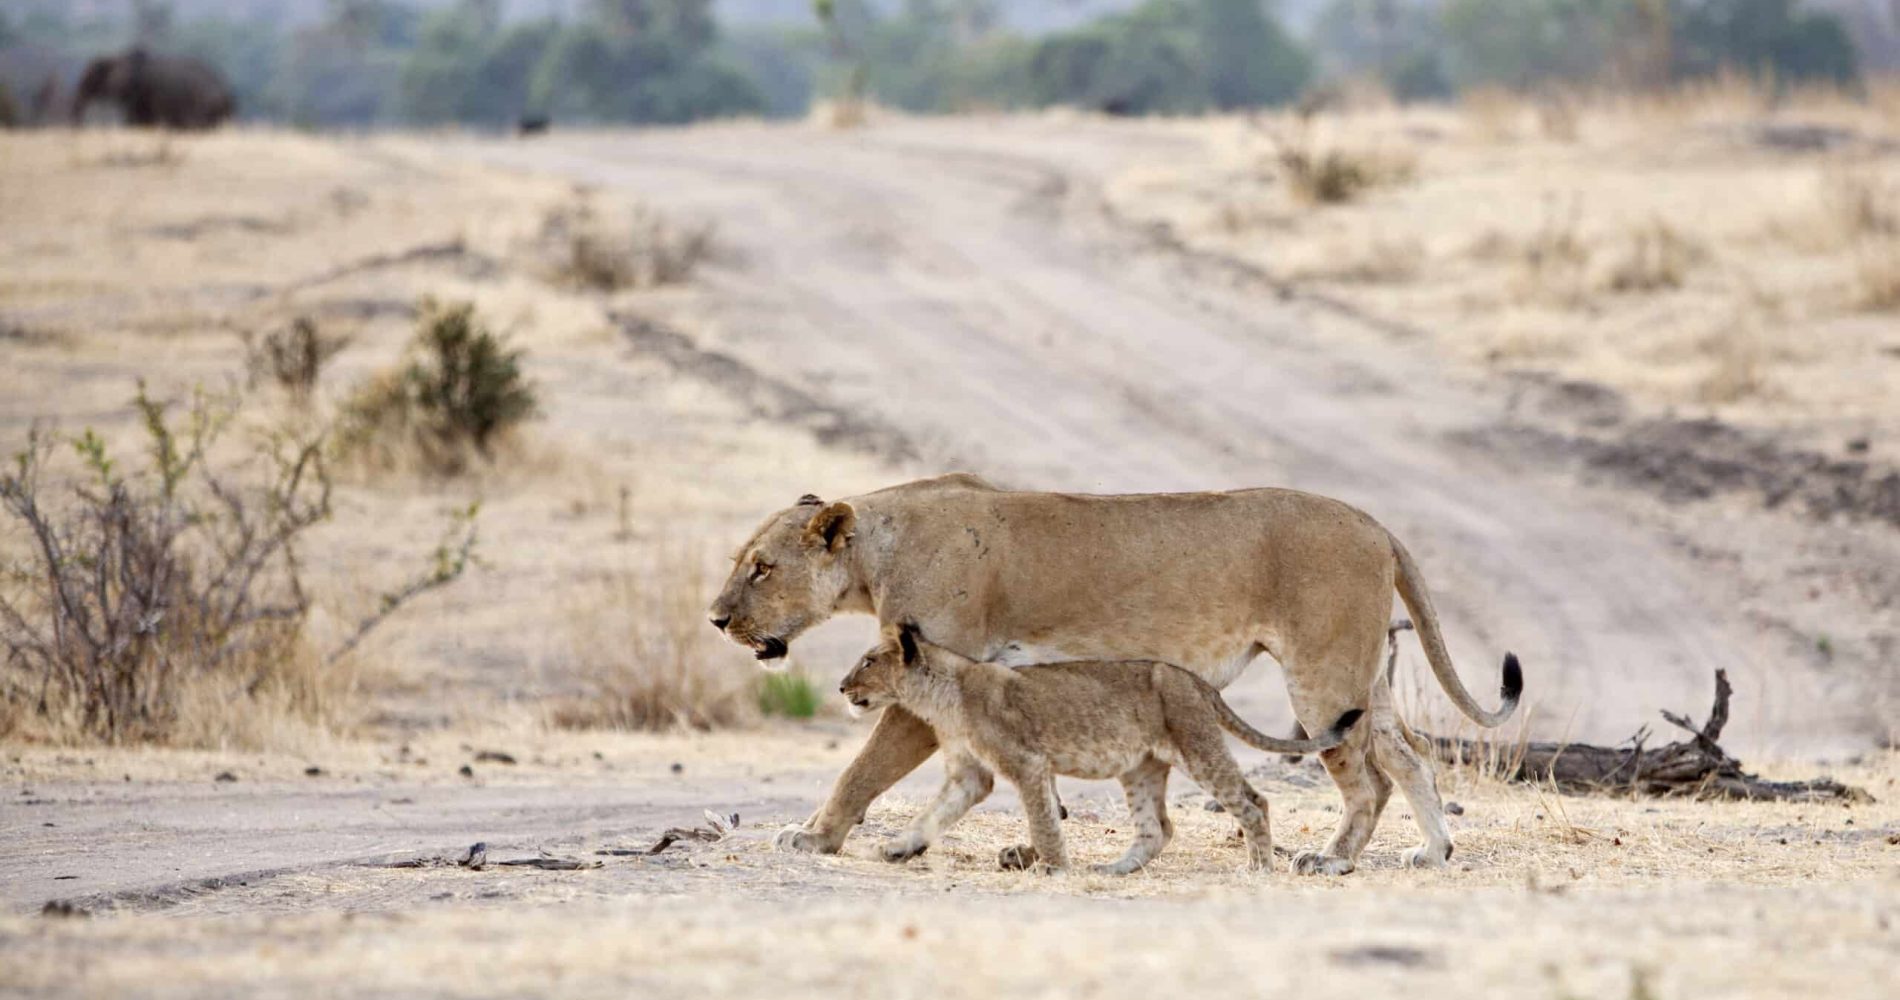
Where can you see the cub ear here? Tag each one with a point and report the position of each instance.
(831, 527)
(808, 500)
(907, 641)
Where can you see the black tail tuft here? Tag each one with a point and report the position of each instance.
(1513, 678)
(1348, 720)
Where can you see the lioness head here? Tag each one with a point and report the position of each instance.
(787, 578)
(873, 682)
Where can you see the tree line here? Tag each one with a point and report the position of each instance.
(387, 62)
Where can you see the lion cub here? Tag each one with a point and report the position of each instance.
(1130, 720)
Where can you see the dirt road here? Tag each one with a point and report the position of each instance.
(963, 283)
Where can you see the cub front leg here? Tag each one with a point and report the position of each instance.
(966, 782)
(1048, 853)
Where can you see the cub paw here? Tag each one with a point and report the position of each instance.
(904, 847)
(1426, 856)
(1016, 858)
(796, 838)
(1315, 863)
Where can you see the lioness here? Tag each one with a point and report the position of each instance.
(1207, 581)
(1129, 720)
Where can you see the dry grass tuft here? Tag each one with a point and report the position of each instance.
(1656, 257)
(649, 252)
(292, 358)
(1553, 260)
(1877, 276)
(1860, 203)
(1318, 172)
(1372, 262)
(641, 644)
(1739, 368)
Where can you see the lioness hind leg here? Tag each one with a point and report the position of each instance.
(899, 742)
(1351, 770)
(966, 782)
(1146, 788)
(1392, 753)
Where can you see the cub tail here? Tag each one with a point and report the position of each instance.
(1261, 741)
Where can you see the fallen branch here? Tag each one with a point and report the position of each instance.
(715, 830)
(1697, 767)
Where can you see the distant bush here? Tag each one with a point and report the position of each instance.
(461, 392)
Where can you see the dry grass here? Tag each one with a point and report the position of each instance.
(1655, 257)
(292, 357)
(1605, 247)
(1877, 276)
(95, 273)
(641, 646)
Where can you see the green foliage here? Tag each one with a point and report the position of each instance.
(1171, 56)
(460, 393)
(789, 694)
(1770, 38)
(1401, 45)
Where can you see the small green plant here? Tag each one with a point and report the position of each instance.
(790, 694)
(461, 393)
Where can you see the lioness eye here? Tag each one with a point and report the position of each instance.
(760, 571)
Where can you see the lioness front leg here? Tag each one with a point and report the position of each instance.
(1047, 852)
(966, 782)
(899, 742)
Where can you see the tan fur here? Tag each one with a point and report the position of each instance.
(1203, 580)
(1130, 720)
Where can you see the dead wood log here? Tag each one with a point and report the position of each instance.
(1696, 767)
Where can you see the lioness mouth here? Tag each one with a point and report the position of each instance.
(861, 702)
(770, 648)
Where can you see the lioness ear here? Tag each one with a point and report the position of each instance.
(831, 526)
(809, 500)
(907, 641)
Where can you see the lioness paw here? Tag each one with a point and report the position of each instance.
(797, 838)
(1427, 856)
(904, 847)
(1315, 863)
(1015, 858)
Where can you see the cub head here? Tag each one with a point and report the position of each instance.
(873, 683)
(789, 576)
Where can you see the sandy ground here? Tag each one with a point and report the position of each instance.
(989, 294)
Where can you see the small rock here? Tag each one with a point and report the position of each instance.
(678, 768)
(225, 776)
(476, 857)
(313, 771)
(1858, 446)
(466, 771)
(1214, 807)
(1454, 808)
(494, 757)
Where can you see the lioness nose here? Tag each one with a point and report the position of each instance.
(721, 623)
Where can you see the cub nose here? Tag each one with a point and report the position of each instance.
(720, 623)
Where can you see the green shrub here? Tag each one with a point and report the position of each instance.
(461, 393)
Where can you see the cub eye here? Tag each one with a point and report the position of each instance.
(760, 571)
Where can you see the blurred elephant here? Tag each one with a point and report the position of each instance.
(166, 91)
